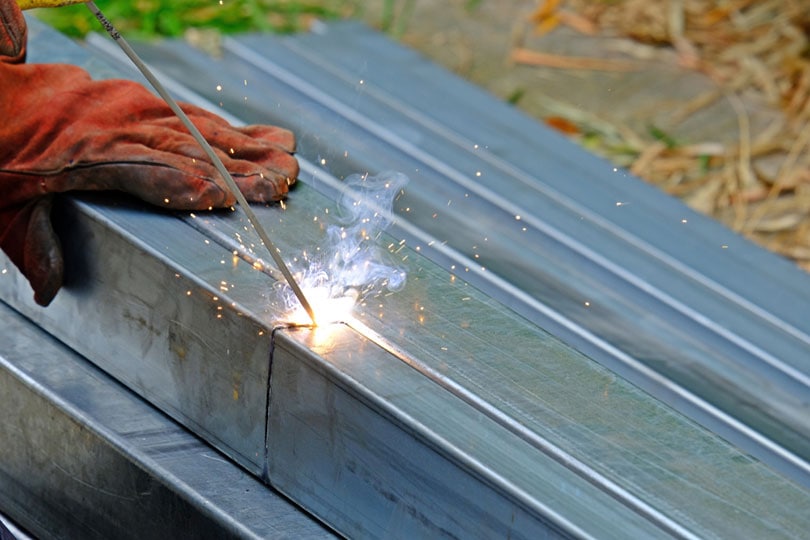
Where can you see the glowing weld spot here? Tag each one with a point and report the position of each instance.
(328, 306)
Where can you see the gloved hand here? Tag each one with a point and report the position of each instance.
(61, 131)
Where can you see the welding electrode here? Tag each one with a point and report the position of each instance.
(229, 181)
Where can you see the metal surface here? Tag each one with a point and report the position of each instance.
(144, 299)
(410, 471)
(438, 394)
(82, 457)
(672, 301)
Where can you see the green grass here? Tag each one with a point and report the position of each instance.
(151, 18)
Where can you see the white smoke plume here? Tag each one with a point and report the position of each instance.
(349, 265)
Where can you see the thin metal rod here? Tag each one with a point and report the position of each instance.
(229, 181)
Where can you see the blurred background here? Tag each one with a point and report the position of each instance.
(707, 99)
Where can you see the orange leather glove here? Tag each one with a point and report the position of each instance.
(61, 131)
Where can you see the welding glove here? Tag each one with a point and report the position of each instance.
(60, 131)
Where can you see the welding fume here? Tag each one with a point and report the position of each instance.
(350, 266)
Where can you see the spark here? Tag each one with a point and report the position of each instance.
(347, 268)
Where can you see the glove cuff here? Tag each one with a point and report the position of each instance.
(13, 33)
(28, 239)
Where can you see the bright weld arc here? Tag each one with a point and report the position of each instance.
(229, 181)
